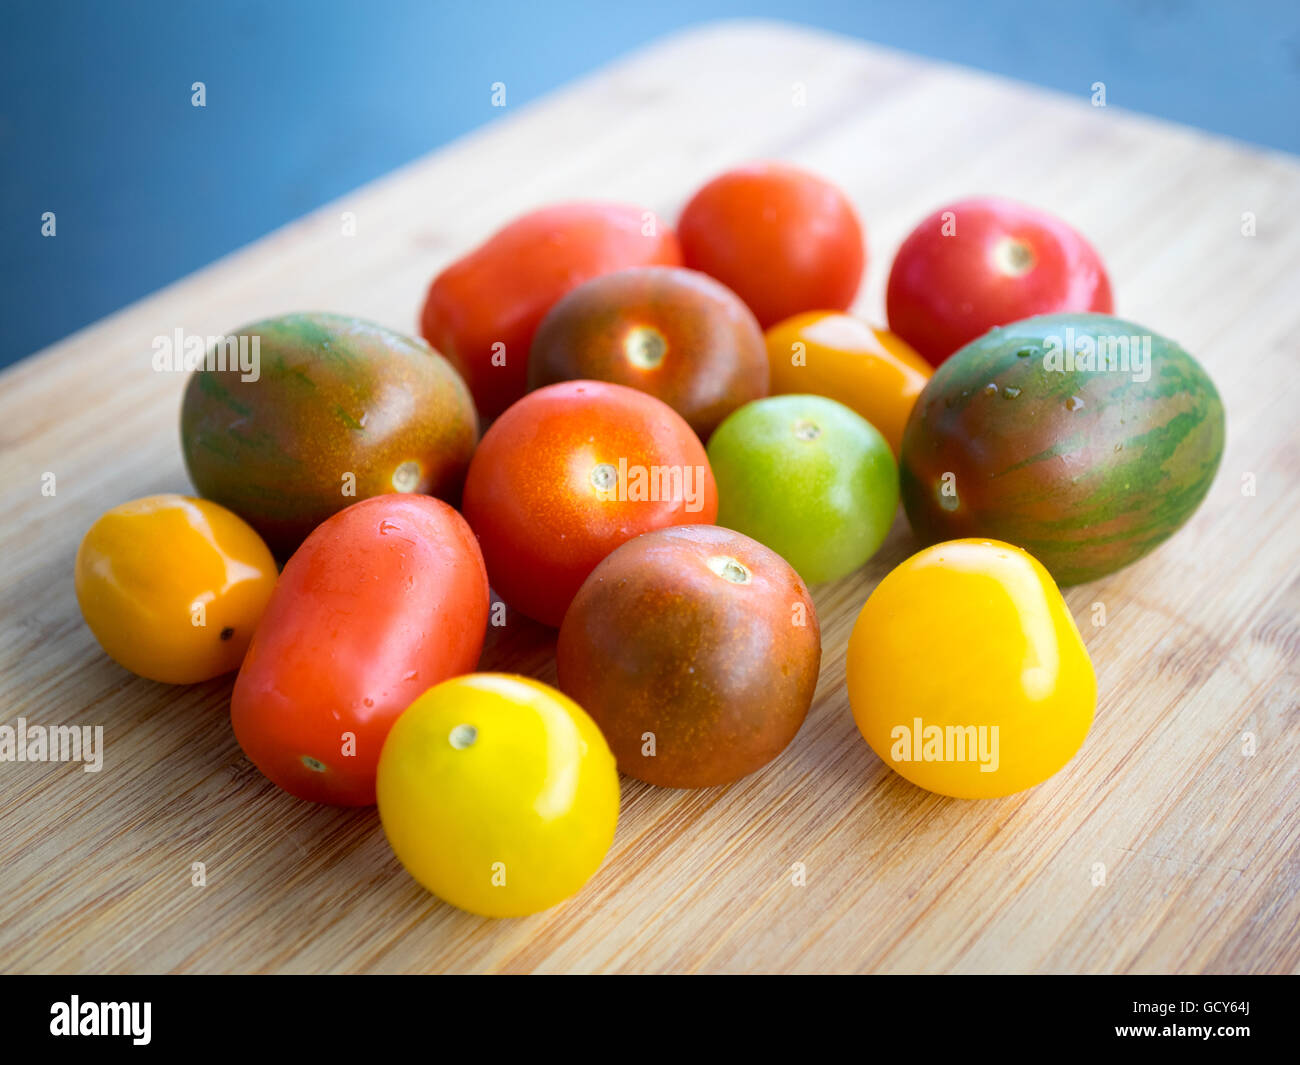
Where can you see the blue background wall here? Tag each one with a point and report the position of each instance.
(307, 100)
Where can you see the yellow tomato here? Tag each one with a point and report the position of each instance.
(498, 793)
(832, 354)
(172, 587)
(967, 674)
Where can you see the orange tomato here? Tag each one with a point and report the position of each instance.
(172, 587)
(827, 353)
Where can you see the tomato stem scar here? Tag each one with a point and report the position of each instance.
(463, 736)
(729, 569)
(1013, 257)
(645, 347)
(407, 476)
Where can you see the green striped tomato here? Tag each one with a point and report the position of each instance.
(1085, 439)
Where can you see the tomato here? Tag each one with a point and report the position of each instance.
(498, 794)
(482, 310)
(783, 239)
(981, 263)
(341, 409)
(872, 371)
(677, 334)
(569, 473)
(696, 649)
(966, 672)
(172, 587)
(809, 478)
(383, 600)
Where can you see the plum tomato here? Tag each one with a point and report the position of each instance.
(872, 371)
(966, 672)
(809, 478)
(677, 334)
(498, 794)
(696, 649)
(173, 587)
(382, 601)
(482, 310)
(569, 473)
(782, 239)
(986, 262)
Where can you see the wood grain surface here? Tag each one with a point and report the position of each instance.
(1199, 839)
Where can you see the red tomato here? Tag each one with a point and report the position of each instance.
(981, 263)
(381, 602)
(782, 239)
(569, 473)
(482, 310)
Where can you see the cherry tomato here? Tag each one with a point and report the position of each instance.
(696, 650)
(382, 601)
(677, 334)
(569, 473)
(498, 794)
(872, 371)
(809, 478)
(172, 587)
(980, 263)
(783, 239)
(966, 672)
(336, 401)
(482, 310)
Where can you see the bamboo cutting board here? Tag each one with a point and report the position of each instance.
(1170, 844)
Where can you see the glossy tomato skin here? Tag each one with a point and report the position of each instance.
(809, 478)
(498, 794)
(701, 637)
(676, 334)
(336, 400)
(482, 310)
(966, 672)
(873, 371)
(981, 263)
(568, 474)
(782, 239)
(382, 601)
(173, 587)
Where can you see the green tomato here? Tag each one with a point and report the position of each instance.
(809, 478)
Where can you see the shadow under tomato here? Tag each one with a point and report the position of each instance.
(517, 644)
